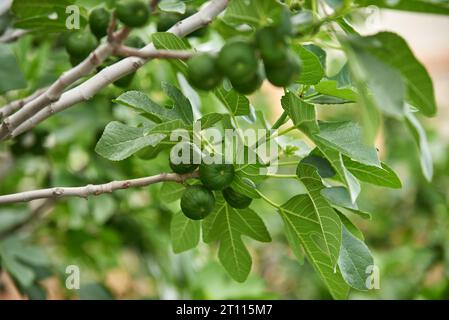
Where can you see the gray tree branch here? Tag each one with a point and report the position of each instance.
(95, 190)
(90, 87)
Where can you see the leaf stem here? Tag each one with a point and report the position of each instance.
(280, 121)
(282, 176)
(284, 132)
(288, 163)
(268, 200)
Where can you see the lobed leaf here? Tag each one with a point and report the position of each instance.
(313, 222)
(227, 225)
(312, 68)
(185, 233)
(237, 105)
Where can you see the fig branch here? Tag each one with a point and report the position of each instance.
(122, 50)
(125, 51)
(90, 87)
(53, 93)
(12, 35)
(13, 106)
(95, 190)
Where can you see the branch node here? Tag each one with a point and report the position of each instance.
(58, 192)
(94, 59)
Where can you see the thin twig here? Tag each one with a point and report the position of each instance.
(12, 35)
(111, 28)
(89, 190)
(153, 5)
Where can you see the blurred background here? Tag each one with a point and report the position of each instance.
(121, 242)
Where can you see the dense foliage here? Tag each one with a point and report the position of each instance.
(340, 89)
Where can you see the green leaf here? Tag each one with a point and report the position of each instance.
(172, 6)
(102, 208)
(250, 171)
(338, 89)
(338, 196)
(423, 6)
(238, 105)
(234, 256)
(165, 128)
(11, 77)
(336, 160)
(169, 41)
(244, 185)
(346, 26)
(11, 217)
(140, 102)
(340, 199)
(330, 88)
(168, 127)
(379, 85)
(318, 228)
(227, 225)
(319, 52)
(18, 258)
(392, 50)
(255, 13)
(370, 112)
(347, 138)
(323, 165)
(334, 4)
(120, 141)
(210, 119)
(182, 105)
(343, 77)
(354, 260)
(384, 176)
(326, 99)
(419, 134)
(336, 137)
(294, 243)
(312, 69)
(300, 112)
(185, 233)
(350, 226)
(44, 15)
(319, 210)
(171, 191)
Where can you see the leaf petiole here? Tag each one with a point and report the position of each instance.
(268, 200)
